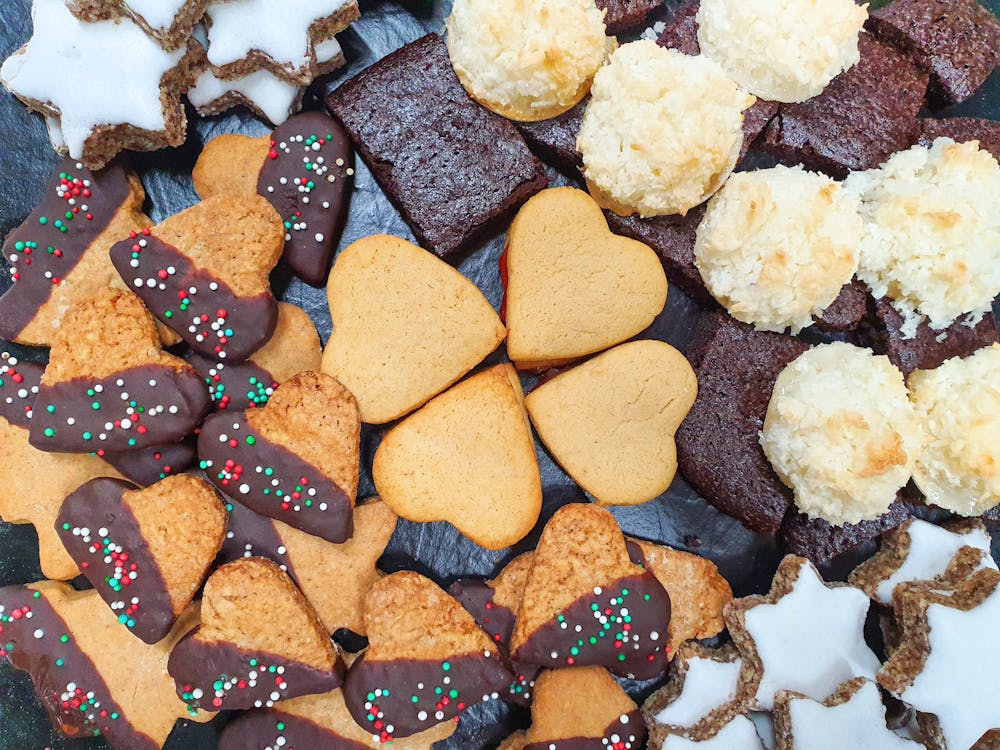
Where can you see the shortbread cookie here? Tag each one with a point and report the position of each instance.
(572, 287)
(316, 721)
(921, 551)
(852, 716)
(669, 168)
(90, 674)
(93, 126)
(247, 35)
(431, 326)
(295, 459)
(940, 666)
(204, 273)
(739, 734)
(305, 169)
(581, 592)
(610, 422)
(58, 255)
(707, 689)
(864, 116)
(468, 458)
(426, 663)
(109, 386)
(530, 60)
(583, 707)
(804, 635)
(294, 348)
(333, 577)
(452, 182)
(169, 22)
(259, 642)
(147, 551)
(957, 43)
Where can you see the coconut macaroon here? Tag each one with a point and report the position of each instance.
(527, 59)
(932, 232)
(777, 245)
(782, 50)
(662, 131)
(841, 432)
(958, 405)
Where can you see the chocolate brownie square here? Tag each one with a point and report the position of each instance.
(718, 446)
(962, 129)
(820, 542)
(956, 41)
(450, 166)
(864, 116)
(623, 15)
(928, 348)
(554, 140)
(846, 312)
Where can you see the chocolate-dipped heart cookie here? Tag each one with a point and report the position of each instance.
(204, 273)
(109, 386)
(586, 603)
(295, 460)
(427, 660)
(259, 642)
(145, 551)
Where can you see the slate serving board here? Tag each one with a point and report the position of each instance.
(679, 517)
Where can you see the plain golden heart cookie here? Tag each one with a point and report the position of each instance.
(574, 288)
(468, 458)
(406, 325)
(610, 422)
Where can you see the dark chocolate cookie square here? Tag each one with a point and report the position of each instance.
(864, 116)
(956, 41)
(821, 542)
(623, 15)
(962, 129)
(554, 140)
(450, 166)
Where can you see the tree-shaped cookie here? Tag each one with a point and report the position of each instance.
(259, 642)
(587, 603)
(427, 660)
(146, 551)
(295, 459)
(109, 386)
(204, 273)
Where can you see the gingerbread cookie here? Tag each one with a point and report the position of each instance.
(467, 457)
(145, 551)
(305, 169)
(204, 273)
(581, 593)
(333, 577)
(610, 422)
(109, 386)
(294, 348)
(565, 271)
(58, 255)
(431, 326)
(169, 22)
(93, 124)
(801, 615)
(426, 663)
(295, 459)
(259, 642)
(90, 674)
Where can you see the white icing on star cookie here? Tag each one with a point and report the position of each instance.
(159, 14)
(90, 74)
(708, 684)
(738, 734)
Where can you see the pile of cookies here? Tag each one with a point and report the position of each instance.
(191, 448)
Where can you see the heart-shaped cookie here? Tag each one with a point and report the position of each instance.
(427, 660)
(586, 603)
(204, 273)
(295, 459)
(146, 551)
(610, 422)
(108, 385)
(406, 325)
(259, 642)
(467, 457)
(572, 287)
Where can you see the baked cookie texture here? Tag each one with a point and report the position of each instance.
(962, 129)
(452, 181)
(572, 288)
(169, 22)
(466, 457)
(431, 326)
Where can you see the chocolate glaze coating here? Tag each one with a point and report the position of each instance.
(626, 733)
(149, 465)
(235, 386)
(250, 534)
(259, 730)
(18, 388)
